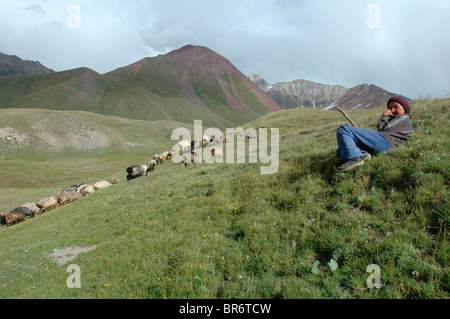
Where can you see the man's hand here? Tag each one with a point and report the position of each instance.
(388, 113)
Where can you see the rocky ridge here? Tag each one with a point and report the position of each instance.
(13, 65)
(304, 93)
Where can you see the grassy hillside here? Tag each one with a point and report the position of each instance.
(225, 231)
(77, 89)
(43, 151)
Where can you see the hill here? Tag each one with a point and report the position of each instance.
(43, 151)
(12, 65)
(309, 94)
(226, 231)
(186, 84)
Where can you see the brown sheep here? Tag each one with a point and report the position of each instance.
(47, 204)
(74, 196)
(17, 215)
(63, 196)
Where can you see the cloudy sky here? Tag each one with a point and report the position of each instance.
(400, 45)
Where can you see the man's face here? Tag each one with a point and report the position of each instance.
(396, 108)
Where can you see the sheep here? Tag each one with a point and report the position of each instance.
(86, 190)
(32, 207)
(157, 158)
(81, 186)
(101, 185)
(27, 212)
(151, 165)
(205, 140)
(136, 171)
(115, 180)
(17, 215)
(74, 196)
(196, 144)
(189, 157)
(162, 158)
(216, 152)
(180, 147)
(47, 204)
(223, 139)
(64, 196)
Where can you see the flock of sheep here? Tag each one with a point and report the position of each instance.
(65, 196)
(183, 148)
(75, 192)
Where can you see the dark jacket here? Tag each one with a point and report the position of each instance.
(396, 129)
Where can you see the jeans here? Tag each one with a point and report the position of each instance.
(353, 141)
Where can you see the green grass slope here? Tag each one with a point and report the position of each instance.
(77, 89)
(43, 151)
(225, 231)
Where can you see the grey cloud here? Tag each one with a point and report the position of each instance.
(281, 40)
(36, 8)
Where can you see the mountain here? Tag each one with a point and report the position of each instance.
(303, 93)
(184, 85)
(77, 89)
(363, 96)
(260, 82)
(12, 65)
(207, 80)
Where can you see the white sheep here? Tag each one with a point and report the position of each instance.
(47, 203)
(151, 165)
(157, 158)
(86, 190)
(216, 152)
(180, 147)
(101, 185)
(205, 140)
(32, 207)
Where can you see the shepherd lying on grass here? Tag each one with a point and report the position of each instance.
(393, 128)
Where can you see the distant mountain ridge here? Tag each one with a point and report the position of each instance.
(363, 96)
(12, 65)
(190, 83)
(303, 93)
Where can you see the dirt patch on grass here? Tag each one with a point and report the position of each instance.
(12, 139)
(63, 256)
(56, 132)
(53, 132)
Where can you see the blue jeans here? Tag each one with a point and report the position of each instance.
(353, 141)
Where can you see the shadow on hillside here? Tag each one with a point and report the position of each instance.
(325, 165)
(321, 164)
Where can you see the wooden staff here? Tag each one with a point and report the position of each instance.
(346, 116)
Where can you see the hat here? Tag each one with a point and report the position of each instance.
(402, 100)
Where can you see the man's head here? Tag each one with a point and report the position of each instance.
(399, 105)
